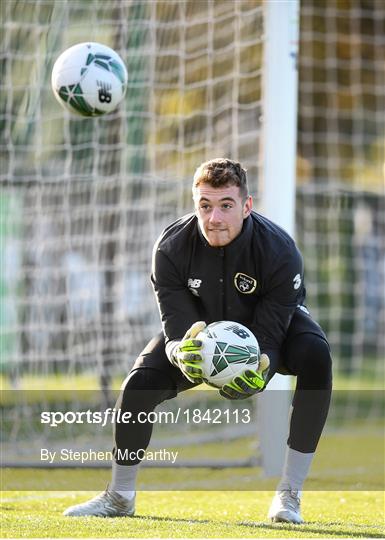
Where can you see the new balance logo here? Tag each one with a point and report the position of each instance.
(240, 332)
(193, 285)
(104, 93)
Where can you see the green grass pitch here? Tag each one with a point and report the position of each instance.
(331, 507)
(196, 514)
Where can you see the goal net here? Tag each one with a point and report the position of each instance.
(341, 181)
(82, 200)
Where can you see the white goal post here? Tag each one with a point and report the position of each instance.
(278, 191)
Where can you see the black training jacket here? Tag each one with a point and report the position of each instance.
(256, 280)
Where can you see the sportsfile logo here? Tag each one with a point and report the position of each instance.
(108, 416)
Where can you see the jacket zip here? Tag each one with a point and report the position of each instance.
(223, 283)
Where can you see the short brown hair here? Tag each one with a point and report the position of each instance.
(221, 172)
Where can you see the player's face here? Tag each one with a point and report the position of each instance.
(220, 213)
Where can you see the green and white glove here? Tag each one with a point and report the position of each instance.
(249, 383)
(187, 355)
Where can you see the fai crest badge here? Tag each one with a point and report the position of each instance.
(245, 284)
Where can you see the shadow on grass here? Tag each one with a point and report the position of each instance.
(169, 519)
(312, 527)
(307, 528)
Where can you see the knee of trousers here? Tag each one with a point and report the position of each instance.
(144, 388)
(314, 362)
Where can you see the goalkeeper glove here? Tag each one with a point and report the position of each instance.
(249, 383)
(186, 354)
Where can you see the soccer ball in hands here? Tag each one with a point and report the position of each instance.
(89, 79)
(228, 349)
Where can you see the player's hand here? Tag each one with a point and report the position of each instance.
(187, 355)
(249, 383)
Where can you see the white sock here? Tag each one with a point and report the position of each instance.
(124, 479)
(295, 469)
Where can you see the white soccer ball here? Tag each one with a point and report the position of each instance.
(89, 79)
(228, 349)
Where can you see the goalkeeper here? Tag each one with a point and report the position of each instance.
(225, 262)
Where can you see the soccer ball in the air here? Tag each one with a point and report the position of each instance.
(89, 79)
(228, 349)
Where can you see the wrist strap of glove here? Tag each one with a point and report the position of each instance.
(171, 347)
